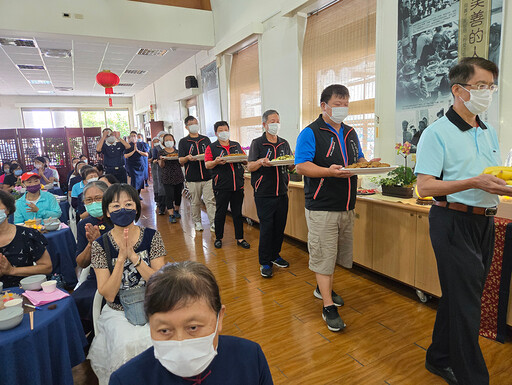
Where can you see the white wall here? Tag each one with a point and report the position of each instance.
(10, 106)
(280, 49)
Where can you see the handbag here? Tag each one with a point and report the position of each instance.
(132, 299)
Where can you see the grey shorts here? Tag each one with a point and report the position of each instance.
(330, 240)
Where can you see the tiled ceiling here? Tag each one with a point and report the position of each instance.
(76, 75)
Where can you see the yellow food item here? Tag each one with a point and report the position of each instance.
(499, 170)
(367, 165)
(284, 157)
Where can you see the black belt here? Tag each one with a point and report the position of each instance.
(487, 211)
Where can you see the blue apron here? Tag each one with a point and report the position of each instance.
(135, 167)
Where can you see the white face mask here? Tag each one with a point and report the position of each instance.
(338, 114)
(223, 135)
(273, 128)
(193, 128)
(479, 101)
(169, 143)
(111, 140)
(186, 358)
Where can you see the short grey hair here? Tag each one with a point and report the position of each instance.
(98, 184)
(267, 113)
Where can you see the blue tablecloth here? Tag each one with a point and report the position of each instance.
(64, 206)
(62, 249)
(46, 354)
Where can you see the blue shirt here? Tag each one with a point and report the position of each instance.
(77, 189)
(238, 362)
(305, 148)
(81, 239)
(113, 156)
(47, 205)
(453, 149)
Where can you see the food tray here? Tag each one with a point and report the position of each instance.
(176, 157)
(199, 157)
(283, 162)
(235, 158)
(368, 171)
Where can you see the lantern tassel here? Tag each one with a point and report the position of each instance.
(110, 102)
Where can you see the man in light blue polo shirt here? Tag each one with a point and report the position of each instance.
(452, 154)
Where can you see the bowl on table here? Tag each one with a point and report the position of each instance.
(49, 286)
(10, 317)
(51, 224)
(33, 282)
(16, 302)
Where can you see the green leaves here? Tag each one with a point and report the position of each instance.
(401, 176)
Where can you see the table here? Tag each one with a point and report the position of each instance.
(62, 249)
(46, 354)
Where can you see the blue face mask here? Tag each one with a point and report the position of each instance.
(95, 209)
(123, 217)
(18, 172)
(3, 216)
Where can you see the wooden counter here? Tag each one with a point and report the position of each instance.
(391, 236)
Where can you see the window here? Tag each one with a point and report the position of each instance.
(37, 118)
(339, 47)
(64, 118)
(93, 118)
(118, 120)
(245, 98)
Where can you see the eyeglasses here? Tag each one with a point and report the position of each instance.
(492, 87)
(96, 199)
(117, 206)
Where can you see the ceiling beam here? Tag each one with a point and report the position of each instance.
(194, 4)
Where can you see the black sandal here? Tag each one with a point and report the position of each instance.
(218, 243)
(244, 244)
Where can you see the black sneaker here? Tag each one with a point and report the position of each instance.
(218, 243)
(333, 319)
(266, 271)
(445, 373)
(338, 301)
(281, 262)
(244, 244)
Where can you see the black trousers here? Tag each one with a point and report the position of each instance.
(272, 213)
(463, 244)
(160, 202)
(234, 199)
(173, 195)
(120, 173)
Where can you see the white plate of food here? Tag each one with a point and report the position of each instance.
(170, 157)
(198, 157)
(370, 170)
(235, 158)
(283, 162)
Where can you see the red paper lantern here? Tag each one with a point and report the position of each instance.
(108, 80)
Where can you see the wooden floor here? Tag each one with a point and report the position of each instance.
(387, 331)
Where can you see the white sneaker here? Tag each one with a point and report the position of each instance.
(199, 226)
(212, 228)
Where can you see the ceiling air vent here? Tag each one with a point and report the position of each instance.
(30, 67)
(136, 72)
(152, 52)
(64, 88)
(125, 85)
(56, 53)
(17, 42)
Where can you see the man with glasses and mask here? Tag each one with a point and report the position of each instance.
(452, 154)
(270, 185)
(323, 149)
(112, 146)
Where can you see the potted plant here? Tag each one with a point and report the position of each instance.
(400, 181)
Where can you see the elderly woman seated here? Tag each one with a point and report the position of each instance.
(185, 318)
(22, 250)
(88, 230)
(123, 259)
(35, 204)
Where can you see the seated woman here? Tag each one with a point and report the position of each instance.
(45, 172)
(56, 176)
(88, 230)
(89, 174)
(35, 204)
(76, 178)
(185, 318)
(6, 170)
(13, 177)
(109, 179)
(123, 259)
(20, 248)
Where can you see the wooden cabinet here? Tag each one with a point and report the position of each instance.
(363, 234)
(394, 242)
(426, 277)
